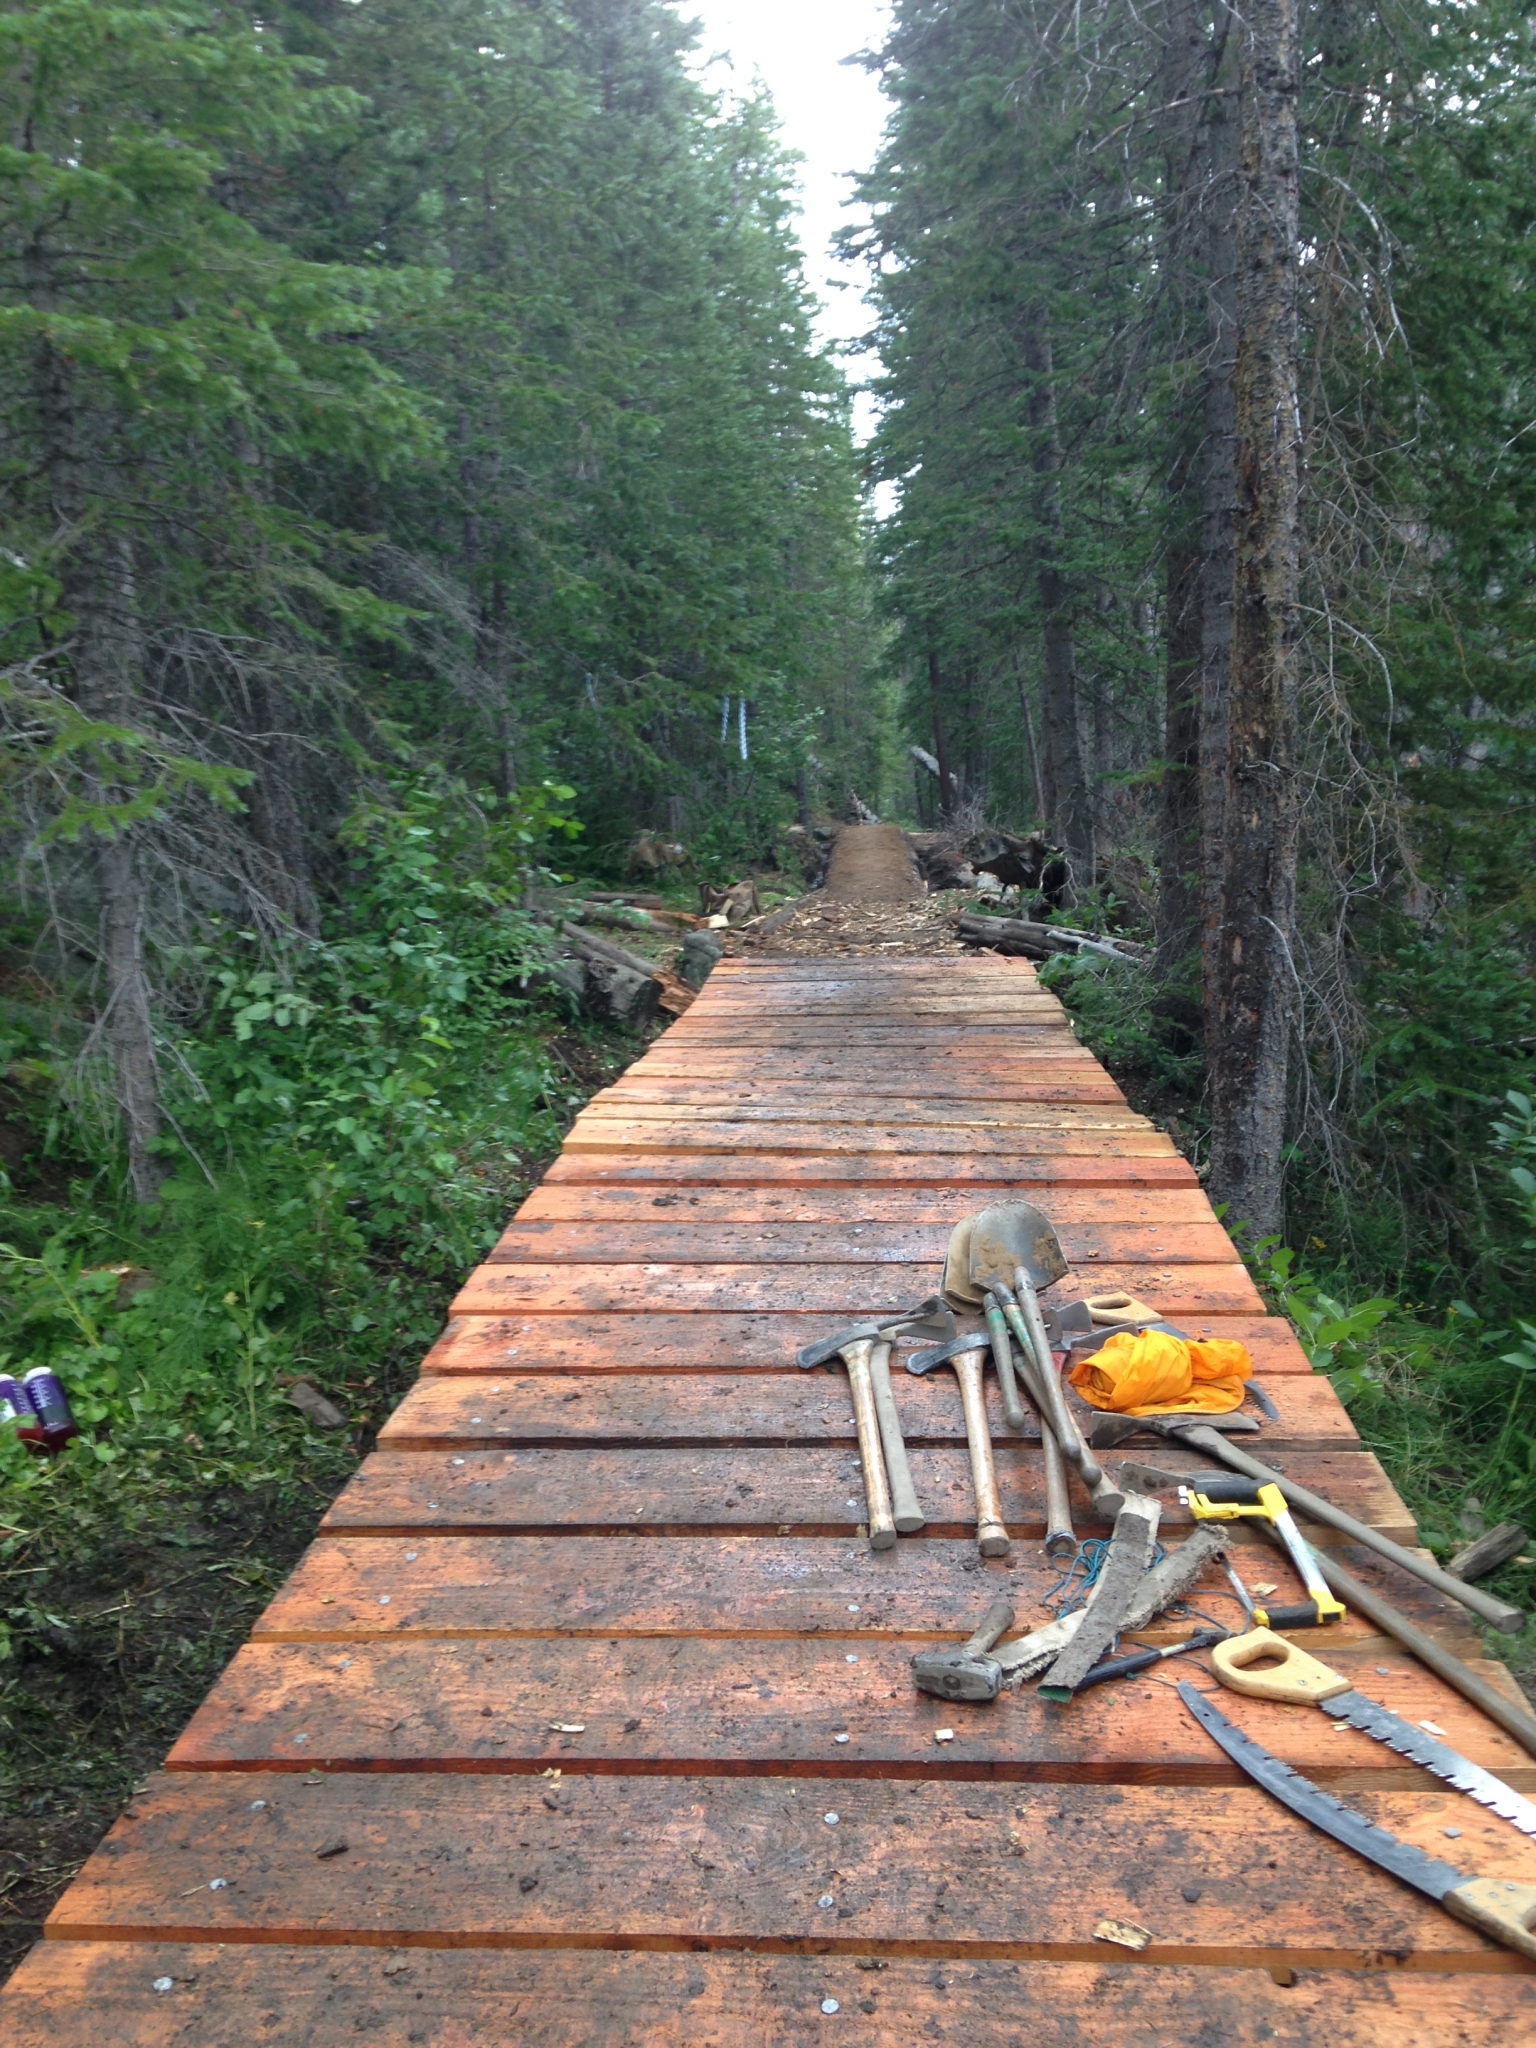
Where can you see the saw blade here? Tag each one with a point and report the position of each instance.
(1421, 1748)
(1425, 1873)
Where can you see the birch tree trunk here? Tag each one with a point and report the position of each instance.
(1059, 713)
(1250, 1002)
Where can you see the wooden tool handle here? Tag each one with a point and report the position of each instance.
(991, 1536)
(996, 1622)
(1295, 1677)
(1498, 1907)
(877, 1491)
(1060, 1536)
(908, 1515)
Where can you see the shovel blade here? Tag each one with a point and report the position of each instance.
(1010, 1235)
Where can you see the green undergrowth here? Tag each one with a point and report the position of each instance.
(352, 1126)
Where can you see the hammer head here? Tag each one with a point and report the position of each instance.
(957, 1675)
(929, 1319)
(938, 1354)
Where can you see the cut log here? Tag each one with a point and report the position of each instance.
(619, 994)
(591, 947)
(1018, 936)
(1489, 1552)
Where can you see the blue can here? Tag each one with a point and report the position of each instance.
(16, 1406)
(46, 1392)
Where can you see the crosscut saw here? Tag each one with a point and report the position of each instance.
(1495, 1906)
(1297, 1678)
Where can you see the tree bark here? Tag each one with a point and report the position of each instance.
(1073, 808)
(1219, 489)
(949, 795)
(128, 1017)
(96, 575)
(1251, 1001)
(1185, 173)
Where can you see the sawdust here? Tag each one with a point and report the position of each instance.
(825, 927)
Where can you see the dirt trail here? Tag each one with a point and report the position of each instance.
(873, 864)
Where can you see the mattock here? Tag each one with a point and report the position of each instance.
(968, 1354)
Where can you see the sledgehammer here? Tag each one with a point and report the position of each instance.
(967, 1673)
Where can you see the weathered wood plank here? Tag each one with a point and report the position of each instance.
(681, 1134)
(444, 1413)
(535, 1288)
(810, 1489)
(577, 1202)
(912, 1868)
(743, 1587)
(715, 1341)
(743, 1168)
(768, 1242)
(71, 1993)
(646, 1706)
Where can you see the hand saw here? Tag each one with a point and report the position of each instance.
(1504, 1910)
(1298, 1678)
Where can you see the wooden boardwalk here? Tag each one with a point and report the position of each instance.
(587, 1718)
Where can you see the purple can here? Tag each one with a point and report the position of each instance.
(16, 1406)
(46, 1392)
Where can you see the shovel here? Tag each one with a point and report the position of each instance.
(1015, 1250)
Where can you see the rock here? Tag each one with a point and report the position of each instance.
(314, 1407)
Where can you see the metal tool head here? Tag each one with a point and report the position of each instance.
(968, 1340)
(956, 1285)
(1010, 1235)
(1108, 1429)
(930, 1318)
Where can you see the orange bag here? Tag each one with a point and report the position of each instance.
(1147, 1372)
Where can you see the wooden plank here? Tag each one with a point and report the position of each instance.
(753, 1168)
(745, 1587)
(832, 1114)
(682, 1134)
(649, 1706)
(70, 1993)
(854, 1109)
(938, 1095)
(809, 1489)
(543, 1289)
(576, 1202)
(770, 1242)
(458, 1412)
(752, 1343)
(912, 1868)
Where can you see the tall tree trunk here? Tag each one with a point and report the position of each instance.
(1252, 997)
(96, 574)
(1073, 809)
(949, 795)
(128, 1016)
(1037, 783)
(1219, 490)
(1185, 171)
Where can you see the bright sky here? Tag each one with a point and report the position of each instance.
(831, 112)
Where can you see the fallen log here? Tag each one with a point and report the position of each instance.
(1019, 936)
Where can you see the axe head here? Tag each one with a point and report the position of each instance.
(1010, 1235)
(930, 1318)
